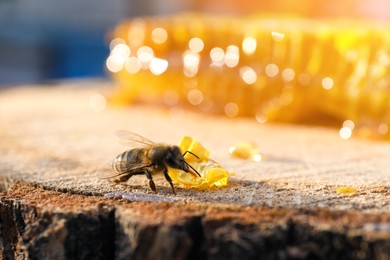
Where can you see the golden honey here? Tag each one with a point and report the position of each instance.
(245, 150)
(345, 190)
(212, 174)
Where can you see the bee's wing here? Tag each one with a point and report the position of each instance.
(131, 139)
(105, 171)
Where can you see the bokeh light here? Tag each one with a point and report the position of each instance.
(115, 63)
(271, 70)
(248, 75)
(349, 123)
(159, 35)
(121, 49)
(195, 97)
(304, 79)
(145, 54)
(249, 45)
(288, 74)
(277, 36)
(196, 45)
(158, 66)
(191, 62)
(217, 56)
(114, 42)
(231, 109)
(232, 56)
(327, 83)
(345, 133)
(383, 129)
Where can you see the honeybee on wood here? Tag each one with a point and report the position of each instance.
(147, 158)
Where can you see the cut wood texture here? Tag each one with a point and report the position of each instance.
(54, 138)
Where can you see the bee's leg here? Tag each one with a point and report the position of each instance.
(169, 180)
(151, 182)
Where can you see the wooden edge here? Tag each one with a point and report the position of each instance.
(41, 223)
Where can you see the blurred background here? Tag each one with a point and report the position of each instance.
(43, 40)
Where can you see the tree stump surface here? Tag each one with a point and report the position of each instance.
(54, 137)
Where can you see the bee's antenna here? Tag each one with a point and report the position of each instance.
(190, 153)
(189, 165)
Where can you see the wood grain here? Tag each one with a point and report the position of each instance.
(50, 136)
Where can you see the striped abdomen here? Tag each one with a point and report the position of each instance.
(130, 160)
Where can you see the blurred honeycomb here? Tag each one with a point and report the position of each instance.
(287, 69)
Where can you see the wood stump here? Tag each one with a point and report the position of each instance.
(54, 138)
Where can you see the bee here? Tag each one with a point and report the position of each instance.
(147, 158)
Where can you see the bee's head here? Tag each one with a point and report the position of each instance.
(176, 160)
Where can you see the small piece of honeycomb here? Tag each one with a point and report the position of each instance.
(345, 190)
(245, 150)
(193, 146)
(212, 174)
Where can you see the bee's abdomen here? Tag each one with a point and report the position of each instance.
(124, 160)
